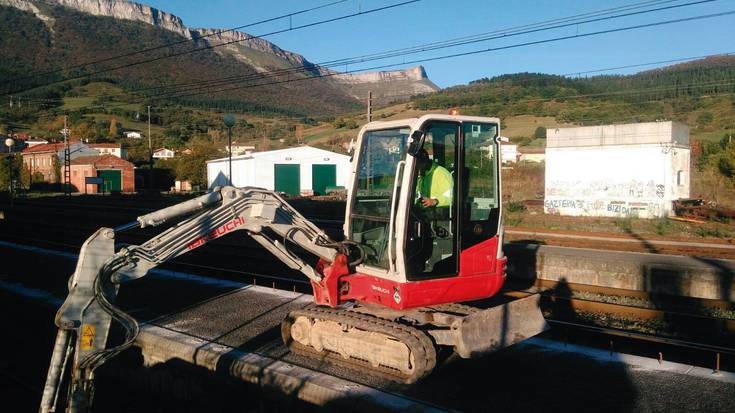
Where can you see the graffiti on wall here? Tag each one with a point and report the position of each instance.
(604, 208)
(606, 189)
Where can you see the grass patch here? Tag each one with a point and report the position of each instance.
(514, 206)
(662, 226)
(706, 232)
(513, 221)
(625, 224)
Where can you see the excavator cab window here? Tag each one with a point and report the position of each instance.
(431, 242)
(380, 159)
(463, 206)
(480, 206)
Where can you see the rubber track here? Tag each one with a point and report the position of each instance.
(417, 341)
(455, 308)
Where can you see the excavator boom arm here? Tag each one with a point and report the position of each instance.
(85, 317)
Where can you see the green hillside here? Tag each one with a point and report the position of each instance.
(29, 46)
(699, 94)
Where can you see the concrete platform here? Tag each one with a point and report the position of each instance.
(657, 273)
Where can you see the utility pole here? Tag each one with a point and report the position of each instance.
(370, 106)
(229, 121)
(10, 158)
(67, 159)
(150, 151)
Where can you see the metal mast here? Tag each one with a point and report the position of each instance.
(370, 106)
(67, 160)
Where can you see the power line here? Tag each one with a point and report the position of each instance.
(513, 31)
(413, 50)
(210, 47)
(150, 49)
(642, 91)
(474, 52)
(464, 54)
(598, 70)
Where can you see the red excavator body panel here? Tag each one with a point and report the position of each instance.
(481, 275)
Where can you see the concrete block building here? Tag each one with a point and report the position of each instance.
(118, 175)
(301, 170)
(629, 170)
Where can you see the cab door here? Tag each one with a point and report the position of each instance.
(456, 235)
(431, 236)
(374, 198)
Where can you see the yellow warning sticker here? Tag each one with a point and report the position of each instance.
(87, 342)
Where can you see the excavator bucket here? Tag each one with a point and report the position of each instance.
(492, 329)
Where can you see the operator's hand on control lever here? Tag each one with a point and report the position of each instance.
(428, 202)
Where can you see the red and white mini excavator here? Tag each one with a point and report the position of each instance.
(423, 232)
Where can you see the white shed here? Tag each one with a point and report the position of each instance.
(300, 170)
(617, 170)
(508, 152)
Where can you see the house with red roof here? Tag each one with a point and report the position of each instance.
(47, 159)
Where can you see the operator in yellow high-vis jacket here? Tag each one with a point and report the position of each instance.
(434, 183)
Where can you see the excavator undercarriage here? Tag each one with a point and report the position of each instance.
(402, 345)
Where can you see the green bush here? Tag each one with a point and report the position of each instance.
(626, 224)
(705, 232)
(662, 226)
(514, 206)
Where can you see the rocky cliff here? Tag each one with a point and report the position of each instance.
(118, 9)
(256, 52)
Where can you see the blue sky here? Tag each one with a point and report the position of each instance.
(436, 20)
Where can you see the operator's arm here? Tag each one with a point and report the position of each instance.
(440, 194)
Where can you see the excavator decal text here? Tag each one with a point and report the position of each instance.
(216, 233)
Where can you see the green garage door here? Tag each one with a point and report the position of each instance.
(113, 180)
(288, 179)
(322, 177)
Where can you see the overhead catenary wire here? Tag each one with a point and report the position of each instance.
(468, 53)
(400, 95)
(504, 33)
(498, 48)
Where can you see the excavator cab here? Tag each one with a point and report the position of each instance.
(425, 201)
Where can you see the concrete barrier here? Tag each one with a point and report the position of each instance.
(656, 273)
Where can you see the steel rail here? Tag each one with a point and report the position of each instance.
(646, 337)
(622, 292)
(640, 313)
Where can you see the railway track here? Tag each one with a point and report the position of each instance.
(693, 314)
(615, 340)
(551, 303)
(647, 306)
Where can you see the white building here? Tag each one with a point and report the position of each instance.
(508, 152)
(301, 170)
(617, 170)
(163, 153)
(108, 149)
(532, 154)
(240, 149)
(35, 141)
(132, 135)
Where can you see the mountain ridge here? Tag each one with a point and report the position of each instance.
(413, 80)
